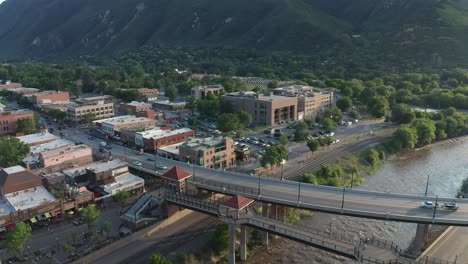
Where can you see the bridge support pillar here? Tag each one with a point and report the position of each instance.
(281, 215)
(243, 243)
(420, 238)
(232, 243)
(265, 213)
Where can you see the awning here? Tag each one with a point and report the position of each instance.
(2, 229)
(10, 226)
(33, 220)
(40, 217)
(47, 215)
(54, 213)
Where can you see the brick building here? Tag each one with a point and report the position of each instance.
(49, 97)
(217, 153)
(167, 105)
(57, 159)
(157, 138)
(23, 90)
(201, 92)
(151, 114)
(111, 127)
(265, 110)
(96, 99)
(134, 107)
(100, 110)
(9, 120)
(148, 95)
(10, 85)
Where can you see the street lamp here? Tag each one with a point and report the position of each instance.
(427, 185)
(58, 247)
(283, 161)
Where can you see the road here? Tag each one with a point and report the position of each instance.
(451, 246)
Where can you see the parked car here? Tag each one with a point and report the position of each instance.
(429, 204)
(137, 163)
(330, 133)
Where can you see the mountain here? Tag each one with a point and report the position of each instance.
(42, 28)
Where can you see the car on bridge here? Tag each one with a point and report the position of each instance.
(450, 205)
(429, 204)
(137, 163)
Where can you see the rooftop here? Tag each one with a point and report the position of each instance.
(100, 97)
(123, 181)
(48, 92)
(238, 202)
(157, 134)
(127, 119)
(204, 143)
(211, 86)
(173, 149)
(136, 103)
(167, 102)
(5, 207)
(57, 144)
(64, 150)
(17, 178)
(23, 89)
(29, 198)
(259, 97)
(106, 165)
(176, 173)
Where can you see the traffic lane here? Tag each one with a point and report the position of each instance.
(453, 245)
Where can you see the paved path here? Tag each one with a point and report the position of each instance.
(451, 245)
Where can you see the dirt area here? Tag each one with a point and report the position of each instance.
(434, 232)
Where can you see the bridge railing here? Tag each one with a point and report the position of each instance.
(194, 203)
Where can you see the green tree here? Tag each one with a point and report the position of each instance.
(245, 118)
(87, 118)
(26, 126)
(373, 157)
(402, 114)
(405, 137)
(171, 92)
(302, 131)
(377, 106)
(191, 103)
(13, 151)
(107, 227)
(159, 259)
(354, 114)
(17, 237)
(284, 139)
(228, 122)
(90, 215)
(344, 103)
(425, 129)
(121, 195)
(68, 248)
(274, 155)
(328, 123)
(313, 145)
(219, 242)
(57, 114)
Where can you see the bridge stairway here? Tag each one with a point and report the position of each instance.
(133, 214)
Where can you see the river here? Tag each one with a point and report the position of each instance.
(447, 164)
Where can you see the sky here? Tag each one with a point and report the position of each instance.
(1, 1)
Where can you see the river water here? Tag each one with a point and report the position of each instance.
(447, 164)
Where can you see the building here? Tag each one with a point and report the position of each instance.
(32, 161)
(112, 126)
(171, 117)
(100, 110)
(167, 105)
(201, 92)
(46, 108)
(148, 95)
(10, 85)
(38, 138)
(265, 110)
(134, 107)
(24, 198)
(309, 104)
(24, 90)
(48, 97)
(151, 114)
(217, 153)
(154, 139)
(293, 90)
(9, 120)
(176, 178)
(107, 99)
(57, 159)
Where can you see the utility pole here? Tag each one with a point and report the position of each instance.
(299, 194)
(258, 185)
(282, 170)
(342, 200)
(427, 185)
(435, 207)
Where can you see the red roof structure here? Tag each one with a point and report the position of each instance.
(177, 174)
(238, 202)
(17, 178)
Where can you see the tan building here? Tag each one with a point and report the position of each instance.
(215, 153)
(47, 97)
(112, 126)
(57, 159)
(24, 90)
(265, 110)
(201, 92)
(310, 104)
(135, 107)
(9, 120)
(148, 95)
(100, 110)
(96, 99)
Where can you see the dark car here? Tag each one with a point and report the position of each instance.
(91, 138)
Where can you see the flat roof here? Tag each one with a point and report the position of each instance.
(57, 144)
(5, 207)
(39, 137)
(253, 95)
(204, 143)
(122, 181)
(173, 149)
(29, 198)
(49, 92)
(106, 165)
(167, 102)
(136, 103)
(22, 89)
(95, 97)
(157, 134)
(14, 169)
(81, 170)
(127, 119)
(65, 150)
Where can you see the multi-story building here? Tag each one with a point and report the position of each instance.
(112, 126)
(215, 153)
(309, 104)
(157, 138)
(134, 107)
(167, 105)
(32, 161)
(57, 159)
(9, 120)
(47, 97)
(23, 90)
(100, 110)
(38, 138)
(265, 110)
(201, 92)
(96, 99)
(148, 95)
(293, 90)
(10, 85)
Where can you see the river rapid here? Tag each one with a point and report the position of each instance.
(447, 164)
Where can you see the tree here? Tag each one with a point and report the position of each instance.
(90, 215)
(87, 118)
(191, 103)
(274, 155)
(284, 139)
(425, 129)
(13, 151)
(354, 114)
(328, 123)
(219, 242)
(402, 114)
(245, 118)
(344, 103)
(302, 131)
(228, 122)
(26, 126)
(18, 236)
(313, 145)
(159, 259)
(68, 248)
(405, 137)
(107, 227)
(377, 106)
(121, 195)
(171, 92)
(57, 114)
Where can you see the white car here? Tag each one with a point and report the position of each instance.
(137, 163)
(162, 166)
(429, 204)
